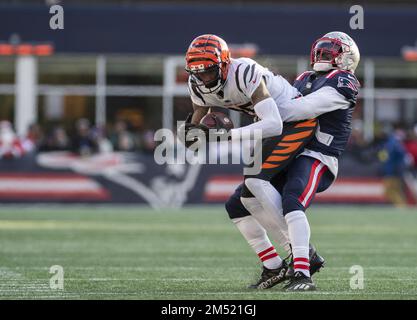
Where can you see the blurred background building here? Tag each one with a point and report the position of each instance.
(115, 74)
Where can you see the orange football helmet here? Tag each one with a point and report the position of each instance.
(207, 62)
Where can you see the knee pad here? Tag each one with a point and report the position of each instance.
(235, 208)
(251, 204)
(254, 185)
(261, 189)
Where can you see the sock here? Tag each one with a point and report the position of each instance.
(270, 258)
(257, 238)
(270, 200)
(299, 233)
(275, 225)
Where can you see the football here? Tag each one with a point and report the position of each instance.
(215, 120)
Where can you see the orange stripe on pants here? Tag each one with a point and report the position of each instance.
(308, 123)
(289, 147)
(297, 136)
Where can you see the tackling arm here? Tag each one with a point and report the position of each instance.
(324, 100)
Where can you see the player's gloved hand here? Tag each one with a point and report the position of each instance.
(183, 130)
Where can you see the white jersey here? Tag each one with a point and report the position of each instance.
(243, 78)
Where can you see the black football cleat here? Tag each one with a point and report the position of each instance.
(316, 262)
(299, 282)
(271, 277)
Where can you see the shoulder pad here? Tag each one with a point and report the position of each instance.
(344, 82)
(303, 75)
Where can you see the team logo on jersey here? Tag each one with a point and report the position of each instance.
(348, 83)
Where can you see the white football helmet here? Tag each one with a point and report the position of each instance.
(335, 50)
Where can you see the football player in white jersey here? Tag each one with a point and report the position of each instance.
(329, 95)
(217, 80)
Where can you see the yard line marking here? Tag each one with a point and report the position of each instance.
(387, 268)
(187, 279)
(274, 292)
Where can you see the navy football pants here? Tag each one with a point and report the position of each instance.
(297, 184)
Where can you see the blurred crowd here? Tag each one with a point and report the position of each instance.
(392, 154)
(398, 154)
(83, 139)
(394, 151)
(394, 147)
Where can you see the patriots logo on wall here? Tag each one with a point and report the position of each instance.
(348, 83)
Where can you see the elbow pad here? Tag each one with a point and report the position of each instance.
(267, 110)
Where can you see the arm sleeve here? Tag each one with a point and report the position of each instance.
(270, 122)
(324, 100)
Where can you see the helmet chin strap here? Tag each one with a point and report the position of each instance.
(217, 86)
(206, 90)
(322, 66)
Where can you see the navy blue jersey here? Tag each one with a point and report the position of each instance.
(335, 126)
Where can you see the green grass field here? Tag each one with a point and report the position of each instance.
(195, 253)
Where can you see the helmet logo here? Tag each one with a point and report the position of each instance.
(197, 67)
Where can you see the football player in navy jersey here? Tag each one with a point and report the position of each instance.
(329, 96)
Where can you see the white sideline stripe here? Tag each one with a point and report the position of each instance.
(355, 189)
(10, 185)
(338, 189)
(313, 184)
(220, 188)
